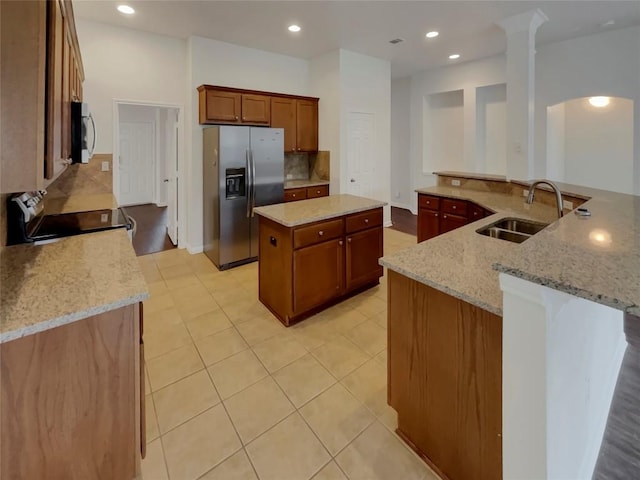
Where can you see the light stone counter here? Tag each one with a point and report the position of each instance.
(304, 183)
(459, 262)
(596, 258)
(42, 287)
(80, 203)
(293, 214)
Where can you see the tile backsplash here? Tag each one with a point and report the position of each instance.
(306, 166)
(84, 179)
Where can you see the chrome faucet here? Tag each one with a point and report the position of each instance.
(555, 189)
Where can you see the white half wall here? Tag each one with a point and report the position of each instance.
(126, 64)
(401, 192)
(561, 356)
(224, 64)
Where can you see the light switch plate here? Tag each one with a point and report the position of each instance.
(105, 166)
(525, 193)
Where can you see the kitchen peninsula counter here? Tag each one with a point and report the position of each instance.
(46, 286)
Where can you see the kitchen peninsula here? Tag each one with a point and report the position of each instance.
(316, 252)
(484, 386)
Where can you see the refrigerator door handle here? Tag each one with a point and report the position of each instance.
(249, 183)
(253, 182)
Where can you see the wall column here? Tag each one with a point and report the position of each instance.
(521, 33)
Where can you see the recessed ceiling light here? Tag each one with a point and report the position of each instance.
(432, 34)
(126, 9)
(294, 28)
(454, 56)
(599, 101)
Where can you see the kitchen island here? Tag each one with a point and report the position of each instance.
(71, 354)
(314, 253)
(510, 375)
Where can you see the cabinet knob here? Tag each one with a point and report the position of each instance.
(236, 117)
(366, 220)
(349, 240)
(320, 233)
(428, 202)
(436, 214)
(475, 214)
(444, 216)
(318, 192)
(293, 195)
(244, 118)
(340, 243)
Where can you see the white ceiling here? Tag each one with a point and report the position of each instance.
(466, 27)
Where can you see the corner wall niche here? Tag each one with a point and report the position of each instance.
(592, 146)
(443, 123)
(491, 129)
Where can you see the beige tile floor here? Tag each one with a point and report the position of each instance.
(232, 394)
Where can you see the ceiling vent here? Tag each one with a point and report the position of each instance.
(396, 40)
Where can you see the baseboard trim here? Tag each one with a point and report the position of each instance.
(195, 250)
(388, 223)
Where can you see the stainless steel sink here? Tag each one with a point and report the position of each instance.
(514, 230)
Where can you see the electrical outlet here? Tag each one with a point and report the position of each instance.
(397, 195)
(525, 193)
(455, 183)
(105, 166)
(289, 176)
(567, 205)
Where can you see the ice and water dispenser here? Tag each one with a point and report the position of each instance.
(236, 185)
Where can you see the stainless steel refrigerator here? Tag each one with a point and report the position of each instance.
(243, 168)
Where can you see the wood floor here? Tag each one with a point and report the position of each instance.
(151, 235)
(404, 221)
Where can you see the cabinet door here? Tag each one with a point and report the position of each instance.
(55, 67)
(283, 115)
(451, 222)
(363, 251)
(475, 212)
(307, 125)
(256, 109)
(68, 71)
(318, 275)
(428, 224)
(221, 106)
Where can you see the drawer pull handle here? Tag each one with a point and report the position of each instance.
(320, 233)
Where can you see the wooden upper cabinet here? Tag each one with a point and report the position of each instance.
(55, 73)
(256, 109)
(220, 106)
(307, 125)
(283, 115)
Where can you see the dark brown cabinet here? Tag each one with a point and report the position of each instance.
(283, 115)
(256, 109)
(302, 193)
(437, 215)
(41, 72)
(306, 268)
(307, 125)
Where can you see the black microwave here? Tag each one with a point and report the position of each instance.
(83, 133)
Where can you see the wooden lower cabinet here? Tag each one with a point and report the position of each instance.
(428, 224)
(306, 268)
(450, 222)
(438, 215)
(303, 193)
(445, 379)
(71, 400)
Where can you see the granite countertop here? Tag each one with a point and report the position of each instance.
(596, 258)
(459, 262)
(304, 183)
(293, 214)
(80, 203)
(46, 286)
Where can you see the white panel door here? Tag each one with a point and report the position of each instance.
(172, 179)
(361, 169)
(135, 162)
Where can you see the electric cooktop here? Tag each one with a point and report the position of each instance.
(68, 224)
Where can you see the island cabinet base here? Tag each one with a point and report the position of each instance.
(305, 269)
(445, 379)
(71, 400)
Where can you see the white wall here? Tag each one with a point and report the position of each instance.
(602, 64)
(121, 63)
(555, 142)
(219, 63)
(491, 129)
(599, 144)
(401, 192)
(365, 86)
(561, 358)
(444, 131)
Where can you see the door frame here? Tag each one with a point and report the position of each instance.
(115, 168)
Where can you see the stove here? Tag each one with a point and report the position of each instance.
(27, 223)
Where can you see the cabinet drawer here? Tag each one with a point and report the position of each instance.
(320, 191)
(360, 221)
(476, 212)
(316, 233)
(293, 194)
(428, 202)
(456, 207)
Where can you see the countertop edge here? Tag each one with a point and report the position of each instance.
(70, 318)
(571, 290)
(319, 218)
(440, 287)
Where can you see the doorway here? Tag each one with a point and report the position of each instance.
(361, 169)
(146, 169)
